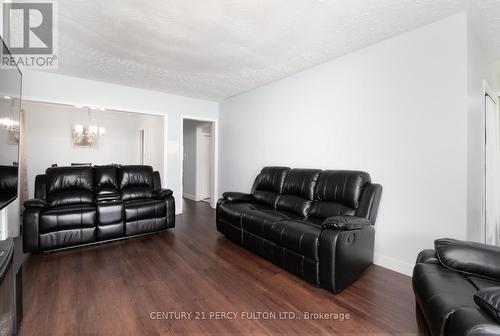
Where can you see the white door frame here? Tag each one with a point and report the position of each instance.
(487, 91)
(215, 157)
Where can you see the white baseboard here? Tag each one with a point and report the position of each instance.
(190, 197)
(393, 264)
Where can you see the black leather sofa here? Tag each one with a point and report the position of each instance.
(315, 224)
(84, 205)
(457, 288)
(8, 183)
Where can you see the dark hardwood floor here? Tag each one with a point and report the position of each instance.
(116, 289)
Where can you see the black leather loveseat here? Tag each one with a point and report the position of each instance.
(85, 205)
(315, 224)
(457, 288)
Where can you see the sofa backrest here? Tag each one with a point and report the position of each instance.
(338, 193)
(8, 181)
(298, 191)
(269, 184)
(135, 182)
(69, 185)
(106, 179)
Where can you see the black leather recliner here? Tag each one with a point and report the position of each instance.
(457, 288)
(8, 183)
(84, 205)
(315, 224)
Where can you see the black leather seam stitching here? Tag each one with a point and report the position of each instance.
(324, 187)
(300, 242)
(346, 181)
(302, 266)
(281, 234)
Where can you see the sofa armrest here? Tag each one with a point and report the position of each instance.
(344, 255)
(488, 299)
(469, 257)
(162, 193)
(233, 197)
(108, 197)
(470, 321)
(30, 231)
(36, 203)
(427, 256)
(345, 223)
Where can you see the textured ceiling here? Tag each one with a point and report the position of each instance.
(215, 49)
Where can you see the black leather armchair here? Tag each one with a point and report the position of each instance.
(457, 288)
(84, 205)
(316, 224)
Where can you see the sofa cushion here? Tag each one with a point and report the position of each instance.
(269, 184)
(481, 283)
(136, 182)
(65, 238)
(325, 210)
(69, 185)
(440, 291)
(298, 191)
(144, 209)
(259, 222)
(106, 178)
(232, 212)
(68, 217)
(471, 321)
(338, 193)
(300, 236)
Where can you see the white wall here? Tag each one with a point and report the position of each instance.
(479, 70)
(154, 140)
(49, 87)
(189, 170)
(396, 109)
(49, 138)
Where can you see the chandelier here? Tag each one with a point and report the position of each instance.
(10, 125)
(88, 132)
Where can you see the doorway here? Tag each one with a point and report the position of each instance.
(130, 138)
(491, 168)
(198, 160)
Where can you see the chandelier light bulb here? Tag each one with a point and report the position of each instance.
(102, 131)
(93, 130)
(9, 123)
(78, 129)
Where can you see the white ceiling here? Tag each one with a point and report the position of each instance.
(214, 49)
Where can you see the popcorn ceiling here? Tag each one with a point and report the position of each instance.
(216, 49)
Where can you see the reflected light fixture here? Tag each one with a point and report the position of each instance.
(89, 131)
(10, 124)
